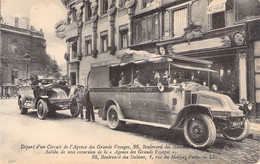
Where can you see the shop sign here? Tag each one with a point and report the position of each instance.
(202, 44)
(216, 6)
(257, 65)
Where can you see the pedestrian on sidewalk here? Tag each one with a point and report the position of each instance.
(81, 100)
(89, 108)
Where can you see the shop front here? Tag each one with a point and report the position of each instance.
(253, 35)
(73, 73)
(227, 49)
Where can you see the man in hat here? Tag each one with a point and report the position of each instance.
(138, 79)
(89, 108)
(122, 82)
(81, 99)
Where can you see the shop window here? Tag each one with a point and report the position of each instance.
(137, 31)
(147, 3)
(123, 38)
(104, 6)
(88, 45)
(73, 15)
(218, 20)
(88, 12)
(104, 41)
(150, 27)
(122, 3)
(247, 9)
(179, 21)
(166, 23)
(74, 50)
(146, 28)
(156, 24)
(14, 76)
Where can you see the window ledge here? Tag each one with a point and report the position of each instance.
(88, 21)
(103, 15)
(121, 8)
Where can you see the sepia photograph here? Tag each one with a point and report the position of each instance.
(130, 81)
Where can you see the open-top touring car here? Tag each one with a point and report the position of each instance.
(169, 97)
(46, 96)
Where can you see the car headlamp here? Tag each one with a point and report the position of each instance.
(214, 87)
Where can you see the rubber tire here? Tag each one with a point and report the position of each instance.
(112, 113)
(208, 123)
(74, 111)
(23, 110)
(42, 104)
(242, 136)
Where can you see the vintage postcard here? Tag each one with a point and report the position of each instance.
(129, 81)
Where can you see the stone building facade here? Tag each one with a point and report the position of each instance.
(20, 51)
(94, 31)
(225, 32)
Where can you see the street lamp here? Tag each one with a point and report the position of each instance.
(27, 57)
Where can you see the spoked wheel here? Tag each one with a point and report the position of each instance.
(42, 109)
(113, 119)
(23, 110)
(237, 134)
(74, 111)
(199, 131)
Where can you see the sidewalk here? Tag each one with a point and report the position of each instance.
(254, 131)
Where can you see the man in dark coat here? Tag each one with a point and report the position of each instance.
(81, 100)
(89, 108)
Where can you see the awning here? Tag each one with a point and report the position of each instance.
(216, 6)
(193, 68)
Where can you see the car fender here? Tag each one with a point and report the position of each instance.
(113, 102)
(193, 108)
(44, 97)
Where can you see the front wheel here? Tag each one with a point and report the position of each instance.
(199, 131)
(23, 110)
(237, 134)
(42, 109)
(113, 119)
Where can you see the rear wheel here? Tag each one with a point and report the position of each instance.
(113, 119)
(74, 111)
(23, 110)
(237, 134)
(199, 131)
(42, 109)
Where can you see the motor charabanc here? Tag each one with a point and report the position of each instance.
(169, 97)
(46, 96)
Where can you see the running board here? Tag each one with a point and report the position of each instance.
(146, 123)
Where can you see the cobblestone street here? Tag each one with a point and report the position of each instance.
(21, 134)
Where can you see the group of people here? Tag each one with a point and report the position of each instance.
(83, 100)
(142, 80)
(138, 81)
